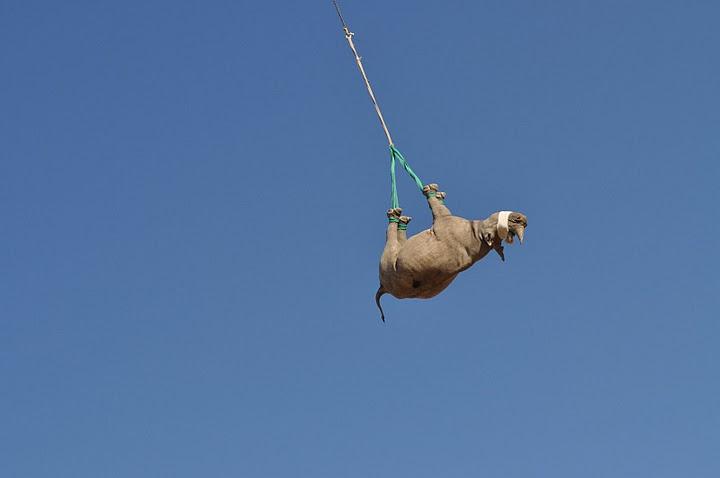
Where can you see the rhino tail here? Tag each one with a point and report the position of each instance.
(380, 292)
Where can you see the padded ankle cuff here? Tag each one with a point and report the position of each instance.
(433, 194)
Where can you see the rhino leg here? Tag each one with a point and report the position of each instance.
(402, 228)
(435, 201)
(392, 244)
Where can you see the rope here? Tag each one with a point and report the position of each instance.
(337, 9)
(395, 155)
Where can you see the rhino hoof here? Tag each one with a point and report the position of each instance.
(394, 212)
(430, 187)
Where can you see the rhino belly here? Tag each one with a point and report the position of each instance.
(432, 288)
(424, 267)
(423, 283)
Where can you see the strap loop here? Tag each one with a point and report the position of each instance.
(397, 155)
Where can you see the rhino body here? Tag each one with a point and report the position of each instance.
(425, 264)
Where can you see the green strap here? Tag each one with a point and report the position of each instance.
(394, 202)
(397, 155)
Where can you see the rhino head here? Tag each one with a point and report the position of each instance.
(504, 226)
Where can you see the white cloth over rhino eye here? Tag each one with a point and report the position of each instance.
(502, 226)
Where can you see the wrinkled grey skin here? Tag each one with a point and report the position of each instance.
(426, 263)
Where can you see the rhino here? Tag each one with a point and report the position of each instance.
(425, 264)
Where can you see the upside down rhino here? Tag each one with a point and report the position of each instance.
(425, 264)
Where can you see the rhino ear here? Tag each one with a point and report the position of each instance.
(500, 252)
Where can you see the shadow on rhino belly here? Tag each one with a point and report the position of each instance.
(421, 289)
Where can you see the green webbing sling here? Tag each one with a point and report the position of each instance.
(396, 155)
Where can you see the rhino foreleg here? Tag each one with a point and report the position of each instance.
(436, 202)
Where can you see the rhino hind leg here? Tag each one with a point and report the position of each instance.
(436, 201)
(392, 243)
(402, 228)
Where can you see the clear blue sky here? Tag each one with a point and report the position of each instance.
(193, 202)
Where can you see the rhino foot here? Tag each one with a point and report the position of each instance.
(394, 213)
(430, 189)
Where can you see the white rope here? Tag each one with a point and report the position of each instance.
(358, 60)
